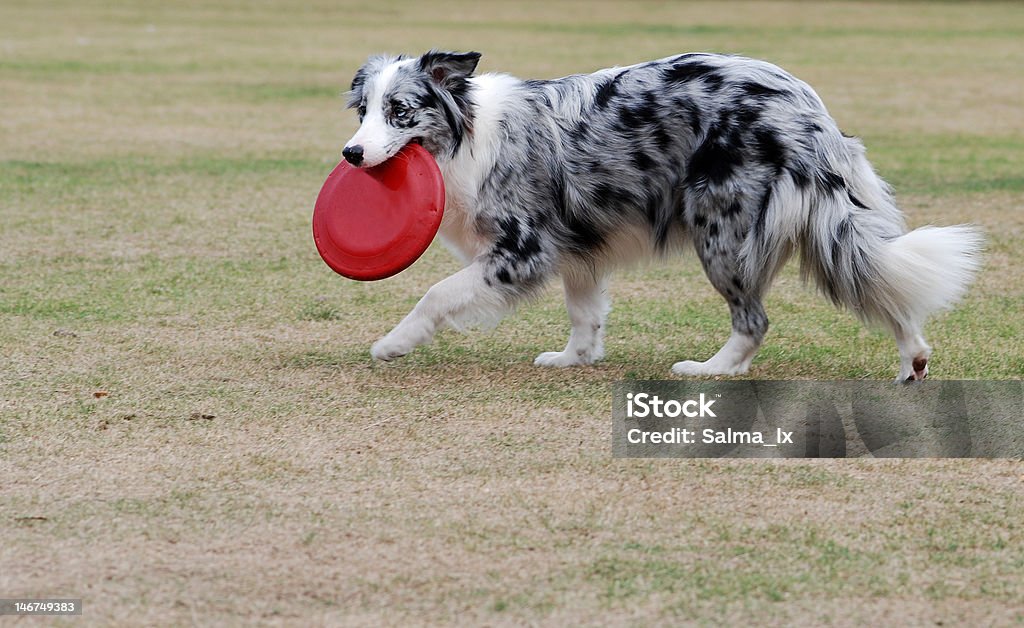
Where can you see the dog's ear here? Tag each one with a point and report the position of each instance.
(373, 65)
(447, 67)
(355, 93)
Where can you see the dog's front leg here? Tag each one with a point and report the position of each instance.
(460, 299)
(586, 299)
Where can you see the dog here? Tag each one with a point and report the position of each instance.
(580, 175)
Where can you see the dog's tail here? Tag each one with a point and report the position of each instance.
(855, 245)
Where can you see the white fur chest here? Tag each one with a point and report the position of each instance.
(464, 173)
(458, 231)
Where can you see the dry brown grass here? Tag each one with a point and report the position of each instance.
(159, 167)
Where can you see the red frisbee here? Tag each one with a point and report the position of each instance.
(371, 223)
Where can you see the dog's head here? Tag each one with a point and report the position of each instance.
(401, 100)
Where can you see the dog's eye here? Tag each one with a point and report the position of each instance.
(361, 111)
(400, 111)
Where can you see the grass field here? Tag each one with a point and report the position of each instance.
(191, 428)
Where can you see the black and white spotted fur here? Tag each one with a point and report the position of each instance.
(579, 175)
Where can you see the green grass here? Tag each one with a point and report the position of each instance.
(158, 168)
(949, 164)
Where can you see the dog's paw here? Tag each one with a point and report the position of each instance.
(691, 368)
(566, 358)
(388, 348)
(556, 358)
(916, 372)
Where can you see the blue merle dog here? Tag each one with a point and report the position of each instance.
(580, 175)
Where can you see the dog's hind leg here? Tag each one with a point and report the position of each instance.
(749, 324)
(586, 299)
(719, 254)
(914, 354)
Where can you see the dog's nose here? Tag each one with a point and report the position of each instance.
(353, 154)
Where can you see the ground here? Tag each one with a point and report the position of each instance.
(191, 428)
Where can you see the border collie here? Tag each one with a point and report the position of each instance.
(580, 175)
